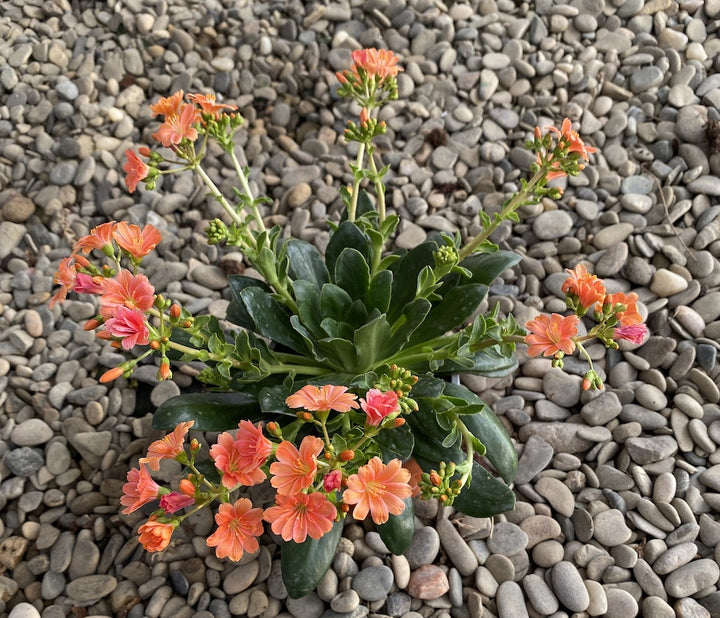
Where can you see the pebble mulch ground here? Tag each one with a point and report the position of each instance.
(618, 492)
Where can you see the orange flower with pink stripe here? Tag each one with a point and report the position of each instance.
(239, 525)
(139, 490)
(551, 334)
(126, 290)
(155, 535)
(294, 469)
(168, 447)
(134, 241)
(298, 516)
(323, 398)
(378, 489)
(586, 287)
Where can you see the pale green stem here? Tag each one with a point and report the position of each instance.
(215, 192)
(246, 188)
(356, 184)
(470, 450)
(379, 190)
(511, 206)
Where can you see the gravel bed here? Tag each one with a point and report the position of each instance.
(618, 492)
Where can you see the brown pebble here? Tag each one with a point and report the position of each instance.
(428, 582)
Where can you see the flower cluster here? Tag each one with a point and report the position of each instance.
(616, 316)
(315, 484)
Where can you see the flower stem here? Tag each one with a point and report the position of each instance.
(516, 201)
(246, 188)
(379, 188)
(237, 219)
(356, 183)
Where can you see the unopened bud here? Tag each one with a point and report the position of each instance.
(399, 422)
(344, 508)
(187, 324)
(586, 384)
(443, 498)
(538, 133)
(165, 372)
(186, 487)
(154, 344)
(91, 324)
(327, 456)
(175, 311)
(435, 478)
(194, 445)
(111, 374)
(347, 455)
(307, 416)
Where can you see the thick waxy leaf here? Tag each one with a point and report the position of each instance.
(334, 302)
(271, 320)
(340, 352)
(304, 564)
(306, 263)
(236, 311)
(485, 363)
(378, 295)
(429, 436)
(487, 428)
(455, 308)
(485, 267)
(210, 411)
(370, 342)
(307, 298)
(396, 443)
(352, 273)
(397, 532)
(405, 275)
(347, 235)
(486, 496)
(413, 316)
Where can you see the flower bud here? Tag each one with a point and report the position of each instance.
(435, 478)
(347, 455)
(175, 311)
(111, 374)
(154, 344)
(91, 324)
(165, 372)
(399, 422)
(187, 487)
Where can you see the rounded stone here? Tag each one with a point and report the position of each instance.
(569, 587)
(692, 578)
(552, 224)
(620, 604)
(31, 432)
(428, 582)
(373, 583)
(610, 528)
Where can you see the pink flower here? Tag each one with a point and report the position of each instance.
(84, 284)
(378, 405)
(332, 481)
(129, 326)
(635, 333)
(173, 502)
(139, 490)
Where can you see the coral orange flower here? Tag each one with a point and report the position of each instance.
(295, 469)
(253, 447)
(635, 333)
(377, 405)
(572, 139)
(126, 290)
(322, 399)
(555, 168)
(381, 63)
(178, 127)
(630, 315)
(139, 490)
(168, 105)
(239, 525)
(65, 276)
(301, 515)
(588, 288)
(550, 334)
(415, 470)
(155, 535)
(98, 238)
(168, 447)
(138, 243)
(208, 104)
(129, 326)
(174, 501)
(378, 489)
(229, 461)
(136, 170)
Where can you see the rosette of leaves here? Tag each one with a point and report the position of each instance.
(345, 317)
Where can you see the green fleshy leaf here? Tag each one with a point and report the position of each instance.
(396, 443)
(307, 298)
(210, 411)
(352, 273)
(486, 363)
(456, 307)
(405, 276)
(306, 263)
(334, 303)
(413, 316)
(347, 235)
(485, 267)
(487, 428)
(271, 319)
(485, 496)
(236, 311)
(397, 532)
(378, 295)
(303, 565)
(370, 342)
